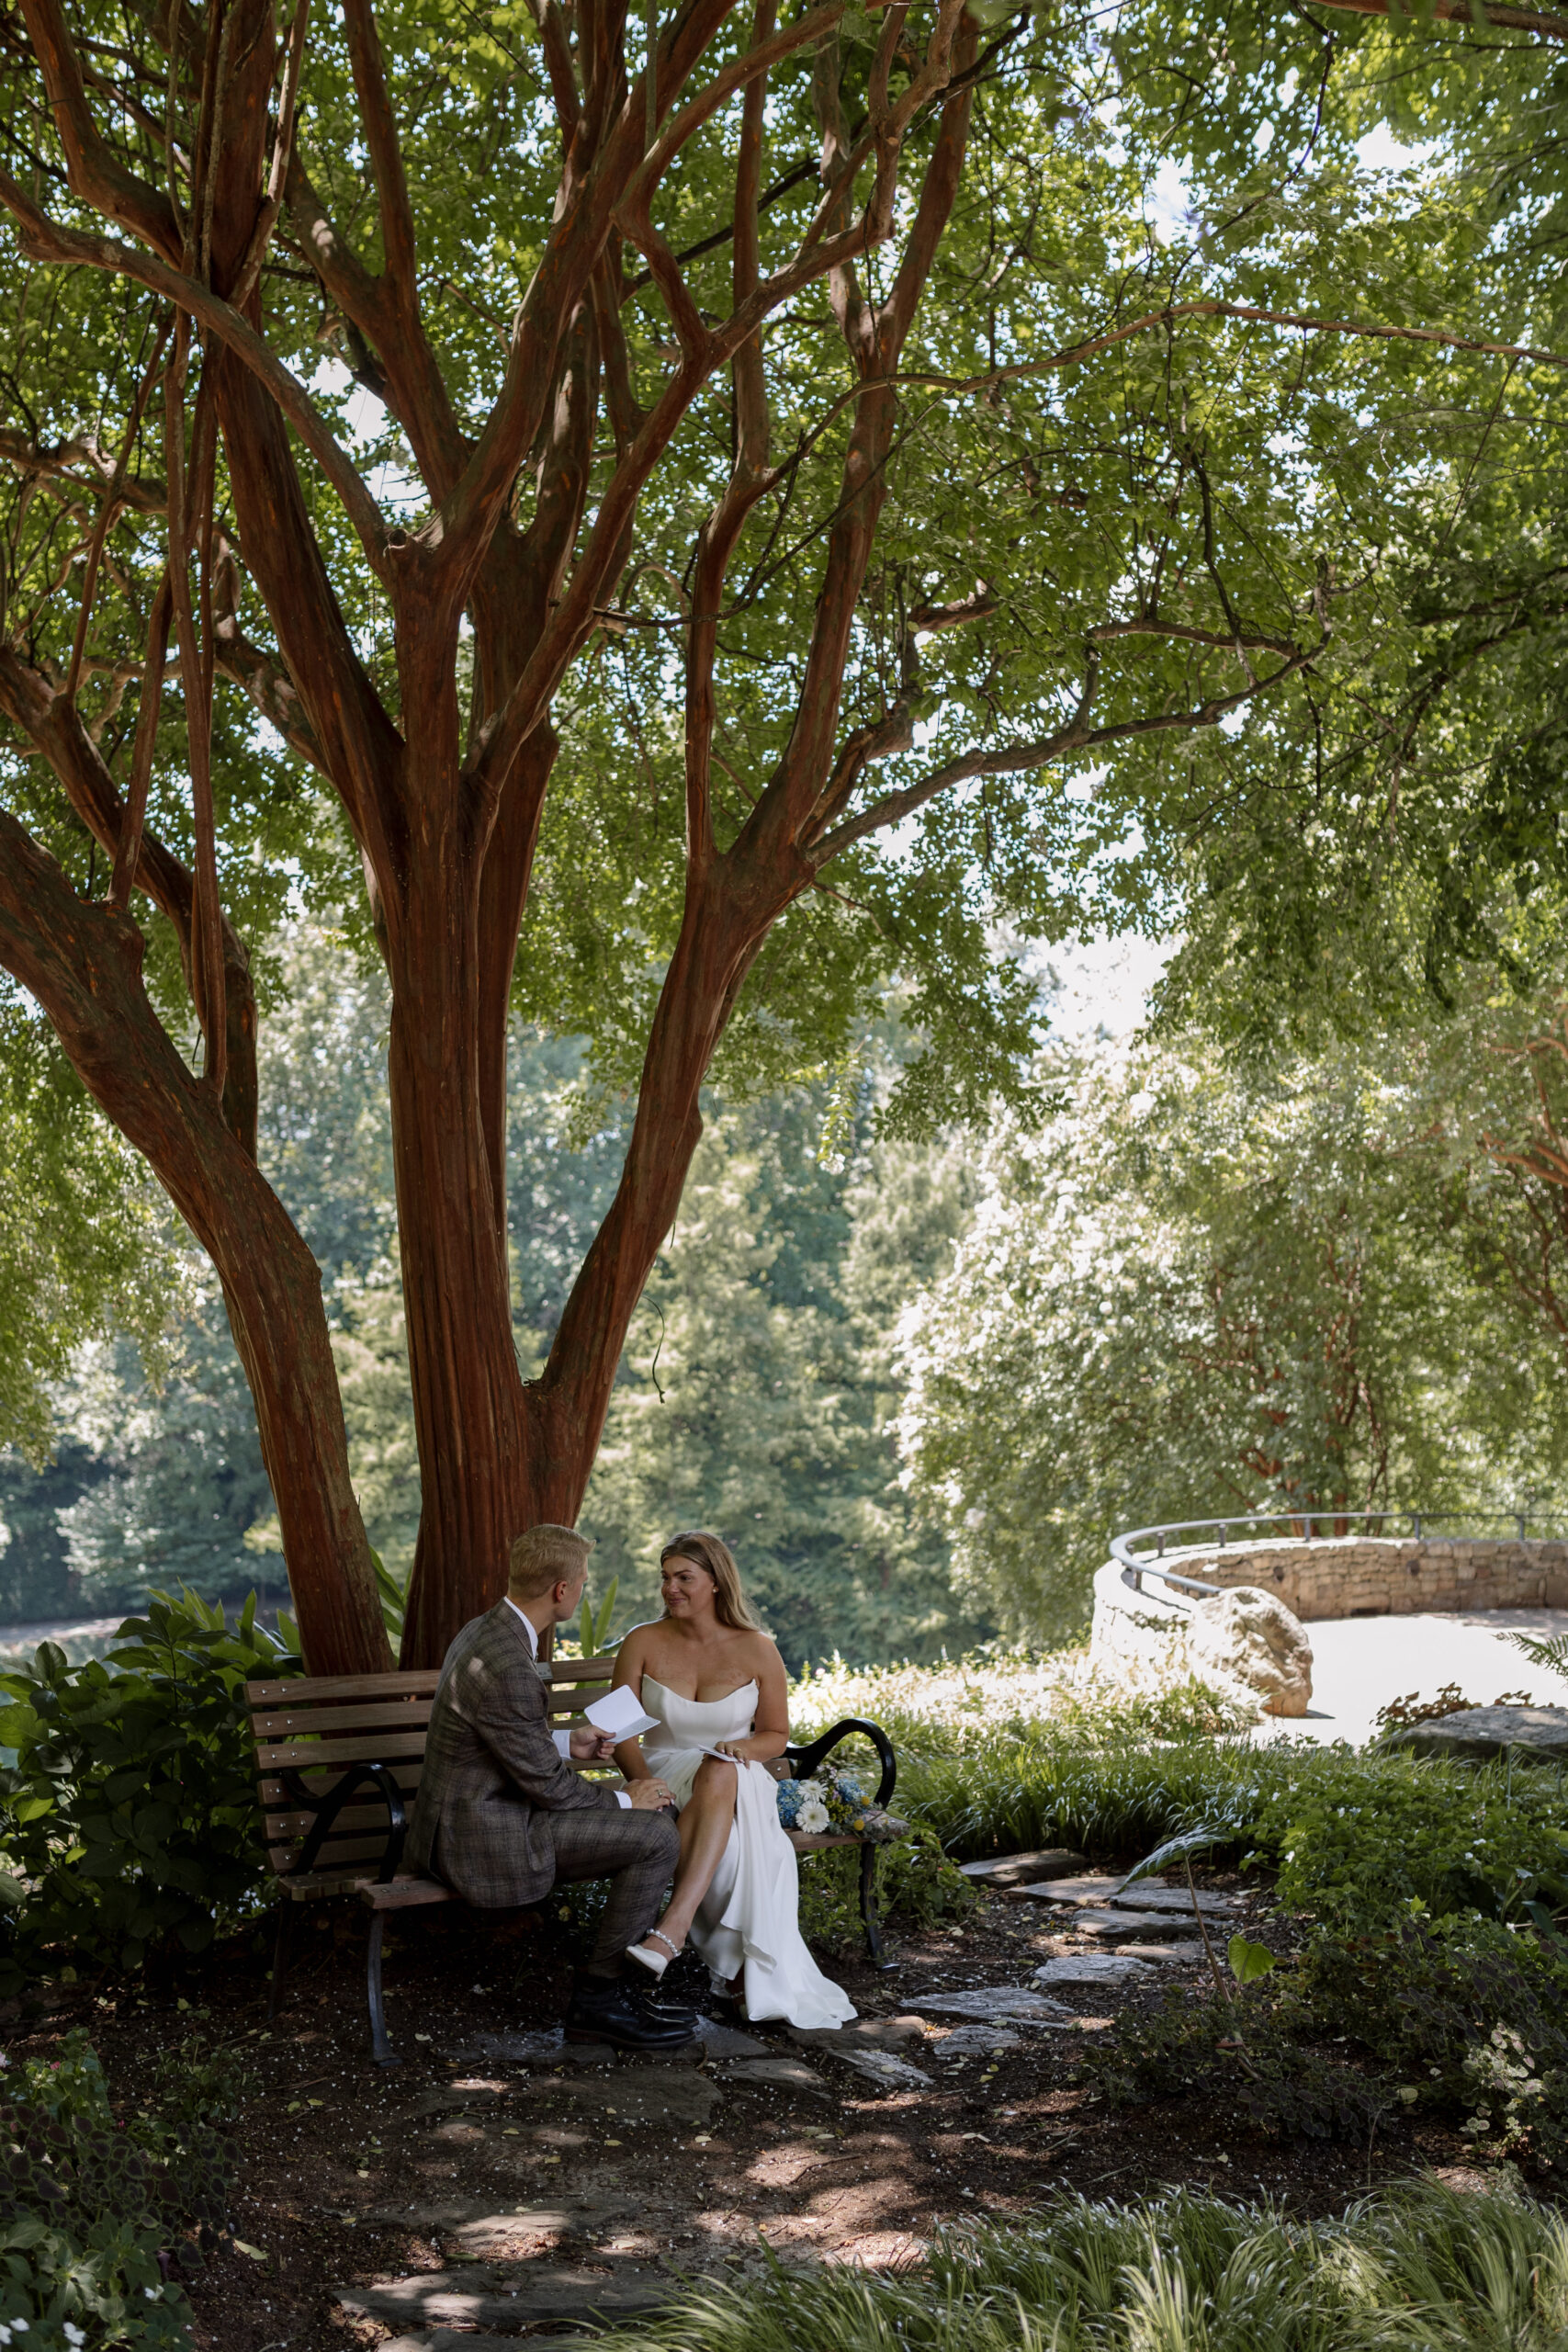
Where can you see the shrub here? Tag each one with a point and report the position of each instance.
(128, 1821)
(92, 2209)
(916, 1884)
(1253, 2053)
(1356, 1837)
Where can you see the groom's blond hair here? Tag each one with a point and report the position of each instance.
(712, 1553)
(546, 1555)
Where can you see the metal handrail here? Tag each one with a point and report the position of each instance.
(1135, 1569)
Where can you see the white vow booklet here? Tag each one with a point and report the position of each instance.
(620, 1714)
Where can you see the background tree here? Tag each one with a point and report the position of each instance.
(1202, 1290)
(579, 285)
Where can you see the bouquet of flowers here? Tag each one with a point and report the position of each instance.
(838, 1800)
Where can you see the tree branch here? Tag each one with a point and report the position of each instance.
(1013, 758)
(385, 156)
(282, 156)
(44, 240)
(40, 712)
(1462, 12)
(95, 173)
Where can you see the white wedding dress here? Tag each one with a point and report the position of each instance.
(750, 1918)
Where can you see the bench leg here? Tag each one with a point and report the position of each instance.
(381, 2049)
(280, 1944)
(868, 1910)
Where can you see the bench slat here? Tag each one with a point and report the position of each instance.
(327, 1755)
(316, 1884)
(274, 1795)
(403, 1893)
(335, 1854)
(419, 1682)
(295, 1723)
(354, 1821)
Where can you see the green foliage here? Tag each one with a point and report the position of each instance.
(179, 1483)
(593, 1635)
(917, 1885)
(1551, 1653)
(128, 1820)
(1209, 1284)
(1259, 2064)
(757, 1393)
(84, 1246)
(1359, 1839)
(1420, 2269)
(89, 2202)
(393, 1599)
(1463, 2019)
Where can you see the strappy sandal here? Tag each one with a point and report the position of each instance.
(655, 1963)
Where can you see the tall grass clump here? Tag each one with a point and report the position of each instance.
(1418, 2270)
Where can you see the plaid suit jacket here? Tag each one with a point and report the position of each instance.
(492, 1776)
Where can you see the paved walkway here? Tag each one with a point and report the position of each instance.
(1361, 1663)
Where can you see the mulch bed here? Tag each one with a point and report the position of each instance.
(334, 2147)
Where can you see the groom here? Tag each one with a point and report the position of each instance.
(502, 1817)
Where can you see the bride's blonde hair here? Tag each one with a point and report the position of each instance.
(714, 1557)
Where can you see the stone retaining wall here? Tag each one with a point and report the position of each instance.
(1377, 1575)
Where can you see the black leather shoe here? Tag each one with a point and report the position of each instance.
(661, 2005)
(603, 2010)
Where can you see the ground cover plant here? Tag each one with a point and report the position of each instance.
(1420, 2268)
(98, 2211)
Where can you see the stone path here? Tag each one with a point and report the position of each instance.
(510, 2296)
(517, 2101)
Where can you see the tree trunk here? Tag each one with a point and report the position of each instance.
(497, 1455)
(84, 964)
(467, 1389)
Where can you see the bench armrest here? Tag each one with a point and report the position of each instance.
(327, 1808)
(803, 1761)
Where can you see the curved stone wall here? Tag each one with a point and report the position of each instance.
(1321, 1577)
(1392, 1576)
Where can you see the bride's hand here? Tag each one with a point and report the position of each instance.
(731, 1747)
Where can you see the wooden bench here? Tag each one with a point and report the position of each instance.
(338, 1763)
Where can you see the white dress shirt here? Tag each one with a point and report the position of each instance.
(562, 1738)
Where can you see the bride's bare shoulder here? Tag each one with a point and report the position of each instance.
(760, 1651)
(634, 1650)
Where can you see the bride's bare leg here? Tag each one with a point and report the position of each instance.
(705, 1832)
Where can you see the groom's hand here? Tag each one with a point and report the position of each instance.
(590, 1747)
(649, 1796)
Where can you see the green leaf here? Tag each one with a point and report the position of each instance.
(1177, 1849)
(1247, 1961)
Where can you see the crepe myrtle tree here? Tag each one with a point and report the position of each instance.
(407, 419)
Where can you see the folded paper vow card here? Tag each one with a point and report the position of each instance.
(620, 1714)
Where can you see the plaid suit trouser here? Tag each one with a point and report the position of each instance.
(636, 1852)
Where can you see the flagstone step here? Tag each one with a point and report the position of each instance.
(1135, 1927)
(1015, 2004)
(1011, 1870)
(506, 2298)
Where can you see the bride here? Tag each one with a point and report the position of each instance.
(715, 1684)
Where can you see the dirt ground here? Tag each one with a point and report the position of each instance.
(463, 2176)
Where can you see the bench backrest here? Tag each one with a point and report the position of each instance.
(320, 1727)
